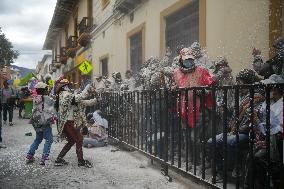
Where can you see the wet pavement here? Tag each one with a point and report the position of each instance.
(119, 169)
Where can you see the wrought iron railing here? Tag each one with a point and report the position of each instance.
(180, 130)
(72, 42)
(63, 52)
(85, 25)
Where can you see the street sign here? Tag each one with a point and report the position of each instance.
(85, 67)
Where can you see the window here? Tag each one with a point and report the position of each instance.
(104, 67)
(136, 51)
(182, 27)
(104, 3)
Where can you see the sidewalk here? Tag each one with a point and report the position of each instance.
(118, 169)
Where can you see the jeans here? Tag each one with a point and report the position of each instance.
(231, 147)
(7, 108)
(45, 134)
(93, 142)
(73, 136)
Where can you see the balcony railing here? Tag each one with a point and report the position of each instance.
(72, 42)
(56, 61)
(126, 6)
(63, 55)
(85, 25)
(202, 131)
(63, 52)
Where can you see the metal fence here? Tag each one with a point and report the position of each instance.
(180, 130)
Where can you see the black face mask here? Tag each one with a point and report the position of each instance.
(188, 63)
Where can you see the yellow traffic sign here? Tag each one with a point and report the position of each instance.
(50, 82)
(85, 67)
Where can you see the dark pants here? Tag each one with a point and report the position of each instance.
(7, 108)
(73, 136)
(21, 107)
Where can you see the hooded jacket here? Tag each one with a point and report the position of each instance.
(197, 78)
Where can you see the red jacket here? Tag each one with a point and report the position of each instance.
(199, 77)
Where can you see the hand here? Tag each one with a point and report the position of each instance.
(173, 87)
(256, 52)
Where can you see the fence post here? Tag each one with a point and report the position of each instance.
(213, 168)
(225, 131)
(237, 122)
(267, 141)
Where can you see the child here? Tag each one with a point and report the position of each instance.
(42, 117)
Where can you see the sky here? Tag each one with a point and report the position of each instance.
(25, 24)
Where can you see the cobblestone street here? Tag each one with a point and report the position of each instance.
(119, 169)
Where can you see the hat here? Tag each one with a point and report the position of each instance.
(279, 43)
(98, 76)
(61, 84)
(108, 80)
(32, 78)
(40, 85)
(64, 81)
(273, 79)
(185, 53)
(221, 61)
(196, 49)
(248, 76)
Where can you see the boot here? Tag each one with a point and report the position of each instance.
(30, 159)
(43, 159)
(60, 162)
(85, 163)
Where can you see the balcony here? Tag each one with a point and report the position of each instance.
(72, 46)
(84, 29)
(63, 56)
(52, 68)
(126, 6)
(56, 63)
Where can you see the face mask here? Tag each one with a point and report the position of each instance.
(188, 63)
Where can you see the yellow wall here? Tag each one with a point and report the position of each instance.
(232, 29)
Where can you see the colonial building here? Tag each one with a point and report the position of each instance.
(116, 35)
(68, 37)
(45, 68)
(131, 31)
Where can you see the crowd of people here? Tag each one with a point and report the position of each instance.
(82, 126)
(193, 68)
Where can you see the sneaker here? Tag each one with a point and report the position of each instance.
(43, 159)
(85, 163)
(60, 162)
(2, 145)
(11, 123)
(4, 122)
(30, 159)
